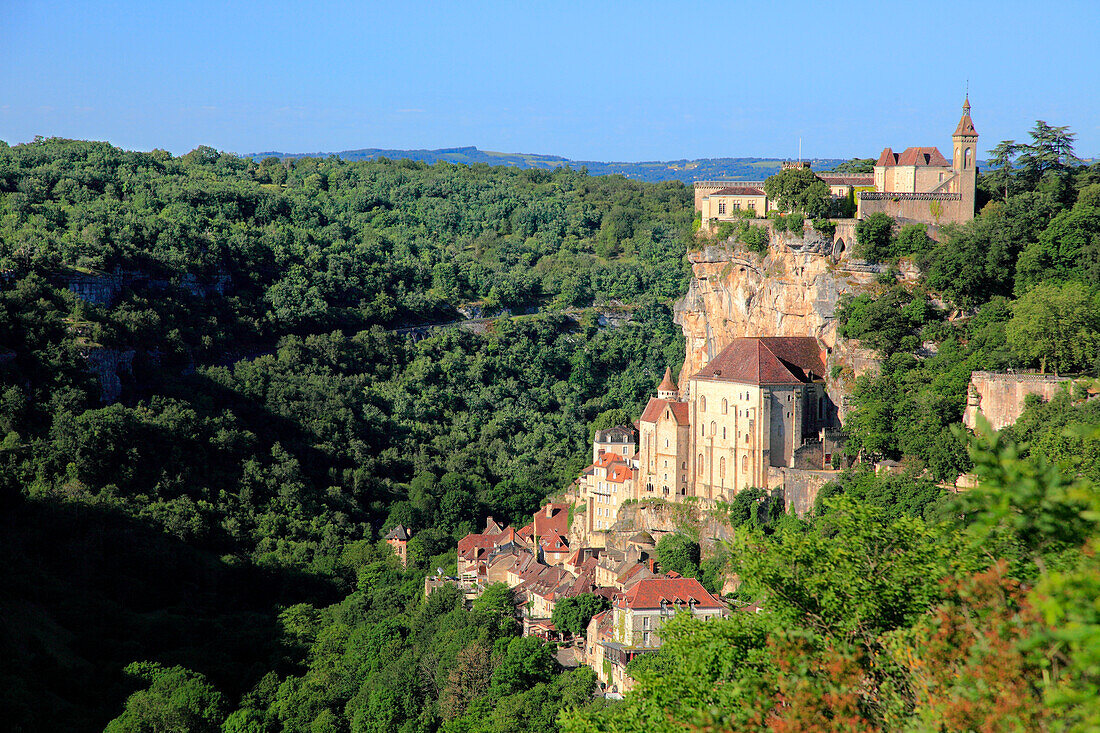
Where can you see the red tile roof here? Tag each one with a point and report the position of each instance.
(647, 594)
(656, 408)
(767, 360)
(837, 180)
(919, 156)
(738, 191)
(619, 473)
(552, 541)
(558, 521)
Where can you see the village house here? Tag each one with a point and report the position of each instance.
(631, 627)
(398, 539)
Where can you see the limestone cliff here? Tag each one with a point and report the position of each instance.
(793, 291)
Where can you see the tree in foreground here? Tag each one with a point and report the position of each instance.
(571, 615)
(176, 699)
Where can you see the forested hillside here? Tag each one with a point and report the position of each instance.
(272, 425)
(202, 553)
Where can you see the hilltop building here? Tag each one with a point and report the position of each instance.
(916, 185)
(920, 185)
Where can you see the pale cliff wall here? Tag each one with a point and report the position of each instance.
(793, 291)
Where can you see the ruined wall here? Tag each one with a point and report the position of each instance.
(1000, 397)
(800, 487)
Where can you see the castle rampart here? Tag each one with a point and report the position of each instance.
(999, 398)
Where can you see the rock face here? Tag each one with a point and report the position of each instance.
(793, 291)
(108, 366)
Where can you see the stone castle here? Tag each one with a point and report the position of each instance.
(917, 185)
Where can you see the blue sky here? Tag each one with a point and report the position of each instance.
(587, 80)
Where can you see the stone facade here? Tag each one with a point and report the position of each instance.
(999, 398)
(753, 406)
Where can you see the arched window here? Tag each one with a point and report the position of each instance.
(666, 442)
(744, 463)
(722, 467)
(966, 158)
(725, 407)
(700, 462)
(702, 404)
(683, 465)
(713, 429)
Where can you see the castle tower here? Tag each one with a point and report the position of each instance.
(667, 389)
(964, 160)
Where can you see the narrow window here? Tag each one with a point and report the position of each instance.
(725, 407)
(722, 467)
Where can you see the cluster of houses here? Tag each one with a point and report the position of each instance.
(543, 566)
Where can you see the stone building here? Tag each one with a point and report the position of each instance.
(920, 185)
(733, 201)
(398, 539)
(640, 612)
(750, 408)
(664, 445)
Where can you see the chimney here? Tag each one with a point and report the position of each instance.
(549, 510)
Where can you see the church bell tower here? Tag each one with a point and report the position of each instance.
(964, 160)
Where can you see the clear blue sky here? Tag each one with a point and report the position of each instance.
(587, 80)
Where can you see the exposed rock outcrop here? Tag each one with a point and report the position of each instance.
(109, 366)
(793, 291)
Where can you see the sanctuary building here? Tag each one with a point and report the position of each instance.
(758, 405)
(917, 184)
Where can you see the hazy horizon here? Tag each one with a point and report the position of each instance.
(603, 82)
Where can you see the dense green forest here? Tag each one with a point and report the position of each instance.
(202, 552)
(272, 423)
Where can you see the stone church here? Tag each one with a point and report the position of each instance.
(749, 409)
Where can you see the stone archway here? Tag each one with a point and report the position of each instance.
(838, 248)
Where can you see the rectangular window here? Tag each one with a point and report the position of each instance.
(736, 205)
(721, 207)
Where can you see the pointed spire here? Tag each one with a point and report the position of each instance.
(965, 127)
(667, 385)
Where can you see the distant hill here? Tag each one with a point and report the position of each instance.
(661, 170)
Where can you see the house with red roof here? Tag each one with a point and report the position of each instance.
(640, 612)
